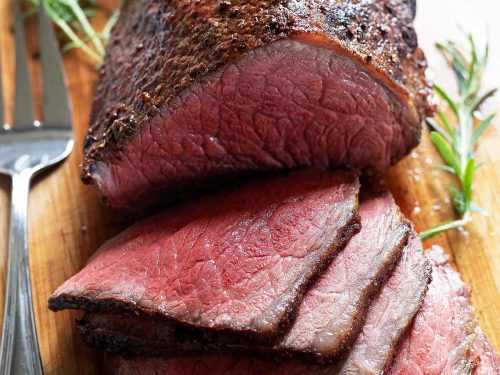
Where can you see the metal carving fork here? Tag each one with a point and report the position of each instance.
(26, 148)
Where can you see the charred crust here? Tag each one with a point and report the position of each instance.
(160, 48)
(223, 6)
(111, 342)
(410, 37)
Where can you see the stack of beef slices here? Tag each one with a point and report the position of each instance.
(293, 273)
(295, 266)
(443, 339)
(287, 272)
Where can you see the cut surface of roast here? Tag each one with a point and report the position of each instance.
(237, 262)
(329, 318)
(454, 345)
(195, 92)
(485, 357)
(390, 315)
(445, 338)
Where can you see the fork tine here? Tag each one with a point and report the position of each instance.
(23, 110)
(56, 109)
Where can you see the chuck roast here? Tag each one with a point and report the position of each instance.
(330, 316)
(238, 262)
(195, 91)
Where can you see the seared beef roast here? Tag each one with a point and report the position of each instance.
(196, 93)
(443, 339)
(333, 311)
(390, 315)
(192, 91)
(238, 262)
(486, 359)
(208, 365)
(331, 314)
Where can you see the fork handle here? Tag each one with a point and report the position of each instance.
(19, 350)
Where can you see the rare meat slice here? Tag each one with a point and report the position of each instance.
(195, 91)
(485, 358)
(444, 339)
(333, 311)
(390, 315)
(208, 365)
(238, 262)
(330, 316)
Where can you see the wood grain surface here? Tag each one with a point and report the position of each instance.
(67, 221)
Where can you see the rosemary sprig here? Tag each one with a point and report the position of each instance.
(72, 18)
(456, 137)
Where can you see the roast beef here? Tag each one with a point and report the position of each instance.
(238, 262)
(486, 359)
(390, 315)
(334, 310)
(444, 337)
(331, 314)
(195, 91)
(207, 365)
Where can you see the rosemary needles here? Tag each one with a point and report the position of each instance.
(456, 136)
(72, 18)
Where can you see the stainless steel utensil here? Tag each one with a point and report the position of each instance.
(26, 148)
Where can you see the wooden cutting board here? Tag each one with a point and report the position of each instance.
(67, 221)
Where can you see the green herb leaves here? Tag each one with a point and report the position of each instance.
(456, 143)
(72, 18)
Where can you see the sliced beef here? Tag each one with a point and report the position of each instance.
(208, 365)
(331, 314)
(390, 315)
(195, 91)
(238, 262)
(443, 339)
(485, 358)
